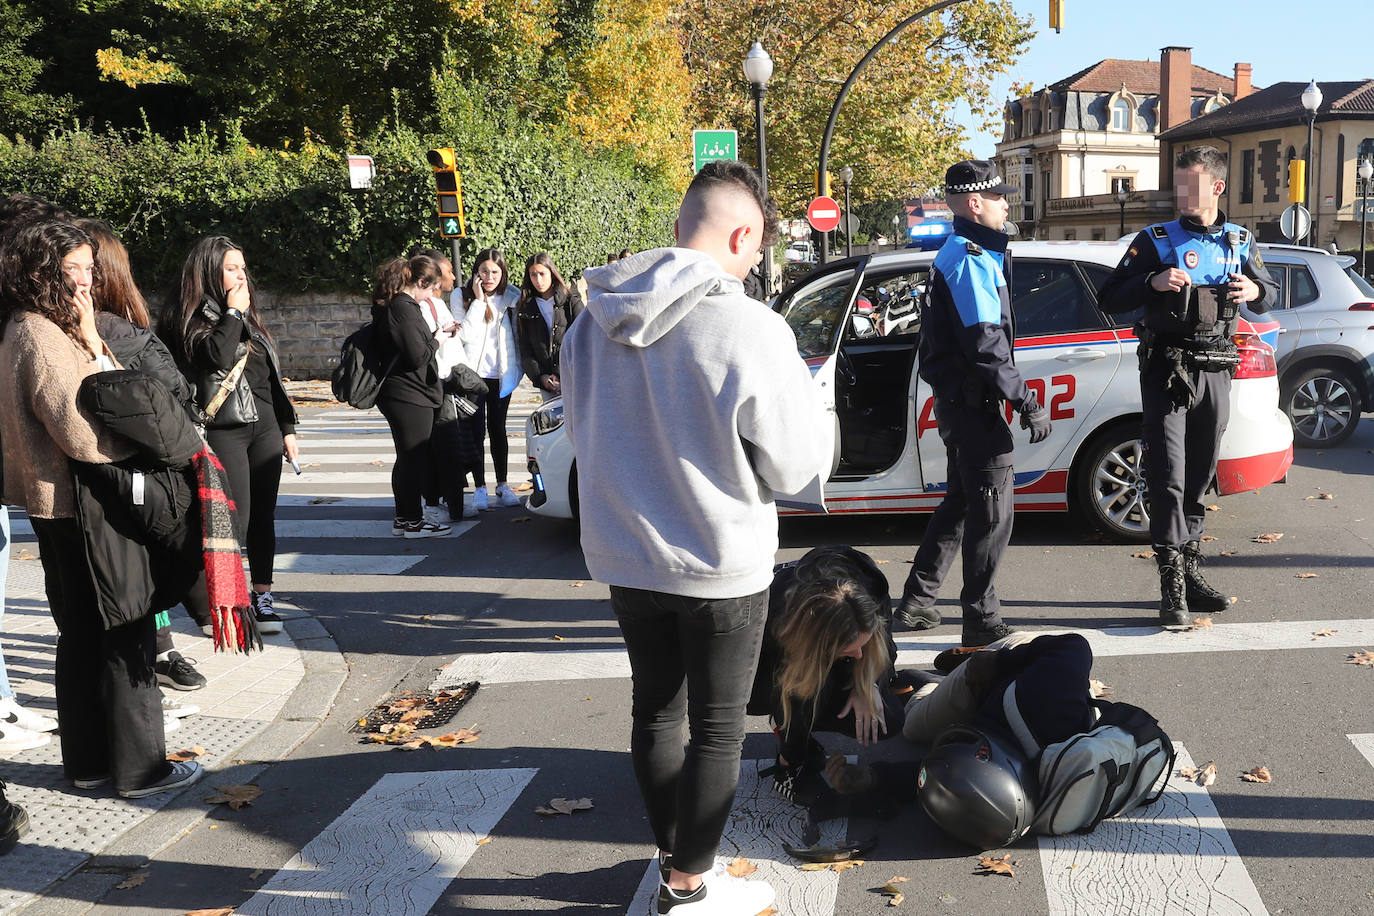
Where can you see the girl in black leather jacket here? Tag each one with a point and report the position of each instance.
(213, 329)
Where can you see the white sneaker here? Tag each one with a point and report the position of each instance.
(720, 893)
(479, 499)
(469, 507)
(506, 496)
(14, 739)
(11, 713)
(170, 723)
(175, 710)
(426, 529)
(432, 515)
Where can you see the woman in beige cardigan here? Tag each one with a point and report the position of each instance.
(108, 704)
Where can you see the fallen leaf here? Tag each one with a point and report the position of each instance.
(557, 638)
(891, 886)
(771, 911)
(255, 874)
(1143, 555)
(1317, 634)
(133, 880)
(831, 866)
(565, 806)
(517, 521)
(1200, 623)
(814, 866)
(577, 585)
(484, 841)
(1099, 689)
(740, 867)
(1258, 774)
(426, 616)
(415, 715)
(896, 899)
(235, 797)
(1365, 658)
(1228, 553)
(453, 739)
(1208, 774)
(1321, 496)
(213, 911)
(1207, 537)
(1268, 538)
(187, 754)
(1305, 576)
(415, 745)
(522, 487)
(1214, 508)
(377, 464)
(990, 866)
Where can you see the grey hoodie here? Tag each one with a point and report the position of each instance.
(689, 408)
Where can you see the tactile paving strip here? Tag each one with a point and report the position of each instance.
(443, 709)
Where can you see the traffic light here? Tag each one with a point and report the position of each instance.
(1057, 15)
(448, 185)
(1297, 181)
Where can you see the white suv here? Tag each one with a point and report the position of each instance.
(1325, 345)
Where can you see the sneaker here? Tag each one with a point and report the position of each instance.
(800, 784)
(398, 527)
(11, 713)
(93, 782)
(981, 635)
(427, 529)
(480, 500)
(182, 774)
(14, 739)
(170, 723)
(179, 672)
(432, 515)
(171, 707)
(506, 496)
(719, 893)
(268, 620)
(469, 507)
(916, 617)
(14, 823)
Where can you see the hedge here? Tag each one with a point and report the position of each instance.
(526, 188)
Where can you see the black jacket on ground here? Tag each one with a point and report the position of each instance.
(538, 347)
(214, 355)
(406, 344)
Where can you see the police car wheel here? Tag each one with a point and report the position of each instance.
(1323, 404)
(1109, 484)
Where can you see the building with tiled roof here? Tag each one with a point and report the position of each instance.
(1264, 132)
(1072, 146)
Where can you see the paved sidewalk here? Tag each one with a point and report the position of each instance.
(254, 711)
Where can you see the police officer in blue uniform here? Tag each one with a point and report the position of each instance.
(1190, 276)
(966, 357)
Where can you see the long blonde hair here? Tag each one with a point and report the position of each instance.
(838, 595)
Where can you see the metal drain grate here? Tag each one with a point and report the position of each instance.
(437, 709)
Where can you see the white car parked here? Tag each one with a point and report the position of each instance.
(857, 322)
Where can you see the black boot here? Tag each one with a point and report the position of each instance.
(1173, 608)
(14, 823)
(1201, 596)
(916, 617)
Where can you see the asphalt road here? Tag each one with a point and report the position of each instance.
(1249, 692)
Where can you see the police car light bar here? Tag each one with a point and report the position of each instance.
(927, 230)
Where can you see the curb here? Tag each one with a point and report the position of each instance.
(309, 705)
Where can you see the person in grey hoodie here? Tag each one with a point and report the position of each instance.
(690, 408)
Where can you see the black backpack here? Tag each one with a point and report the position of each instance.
(358, 377)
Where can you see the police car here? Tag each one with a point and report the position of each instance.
(857, 322)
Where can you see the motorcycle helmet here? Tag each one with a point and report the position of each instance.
(978, 788)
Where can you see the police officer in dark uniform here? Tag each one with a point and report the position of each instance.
(966, 357)
(1190, 276)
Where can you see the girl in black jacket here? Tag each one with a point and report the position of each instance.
(213, 329)
(412, 393)
(547, 308)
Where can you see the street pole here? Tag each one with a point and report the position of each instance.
(847, 175)
(1366, 172)
(758, 68)
(849, 84)
(1121, 199)
(1311, 101)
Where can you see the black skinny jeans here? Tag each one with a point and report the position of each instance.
(412, 427)
(252, 459)
(692, 659)
(491, 414)
(107, 696)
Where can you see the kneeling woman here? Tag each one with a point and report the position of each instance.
(826, 662)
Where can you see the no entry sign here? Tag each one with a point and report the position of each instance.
(823, 214)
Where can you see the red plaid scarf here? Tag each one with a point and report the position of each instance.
(234, 627)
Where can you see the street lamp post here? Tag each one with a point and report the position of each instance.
(1366, 173)
(896, 221)
(1121, 195)
(847, 175)
(758, 69)
(1311, 101)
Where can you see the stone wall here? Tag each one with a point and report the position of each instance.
(309, 328)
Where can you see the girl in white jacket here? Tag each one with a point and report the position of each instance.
(486, 310)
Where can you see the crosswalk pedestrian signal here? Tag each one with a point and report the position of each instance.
(1057, 15)
(448, 184)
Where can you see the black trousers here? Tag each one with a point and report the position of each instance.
(975, 513)
(252, 459)
(1181, 447)
(491, 416)
(412, 428)
(692, 660)
(456, 454)
(107, 696)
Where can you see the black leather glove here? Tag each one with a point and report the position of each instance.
(1035, 418)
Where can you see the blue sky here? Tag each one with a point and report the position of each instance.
(1284, 41)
